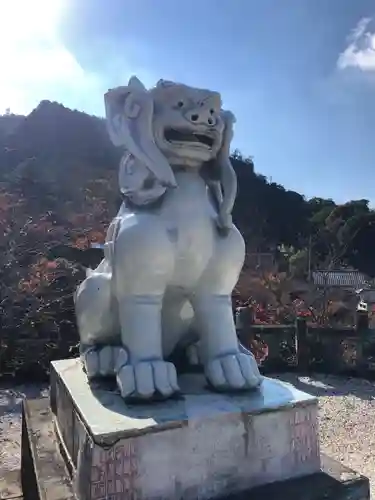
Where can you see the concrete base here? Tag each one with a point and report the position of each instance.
(46, 477)
(201, 446)
(44, 474)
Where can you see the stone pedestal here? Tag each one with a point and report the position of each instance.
(201, 446)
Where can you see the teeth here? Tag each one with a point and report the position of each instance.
(188, 136)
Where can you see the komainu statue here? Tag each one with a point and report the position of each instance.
(172, 255)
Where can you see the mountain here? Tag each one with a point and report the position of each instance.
(57, 145)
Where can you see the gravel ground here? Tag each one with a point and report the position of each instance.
(347, 419)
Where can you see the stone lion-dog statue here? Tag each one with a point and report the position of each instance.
(172, 255)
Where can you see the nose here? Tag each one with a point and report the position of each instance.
(201, 116)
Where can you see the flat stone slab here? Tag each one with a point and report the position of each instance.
(201, 446)
(44, 474)
(333, 482)
(43, 461)
(107, 418)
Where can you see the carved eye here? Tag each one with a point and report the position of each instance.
(212, 111)
(180, 104)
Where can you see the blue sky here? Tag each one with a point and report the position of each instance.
(298, 74)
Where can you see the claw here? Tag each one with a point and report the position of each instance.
(147, 379)
(237, 371)
(103, 361)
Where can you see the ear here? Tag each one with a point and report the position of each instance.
(129, 112)
(227, 175)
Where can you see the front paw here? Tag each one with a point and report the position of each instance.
(231, 372)
(101, 361)
(147, 380)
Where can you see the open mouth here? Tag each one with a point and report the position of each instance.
(173, 135)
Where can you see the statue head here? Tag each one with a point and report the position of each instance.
(188, 124)
(171, 125)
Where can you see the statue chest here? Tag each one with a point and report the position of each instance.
(189, 218)
(191, 229)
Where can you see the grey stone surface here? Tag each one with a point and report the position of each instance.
(201, 446)
(333, 482)
(44, 475)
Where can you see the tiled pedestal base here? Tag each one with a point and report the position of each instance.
(203, 446)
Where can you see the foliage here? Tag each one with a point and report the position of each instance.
(58, 186)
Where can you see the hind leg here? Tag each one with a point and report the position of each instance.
(100, 346)
(103, 360)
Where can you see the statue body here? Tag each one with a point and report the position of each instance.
(172, 255)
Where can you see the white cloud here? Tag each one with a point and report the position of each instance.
(35, 65)
(360, 53)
